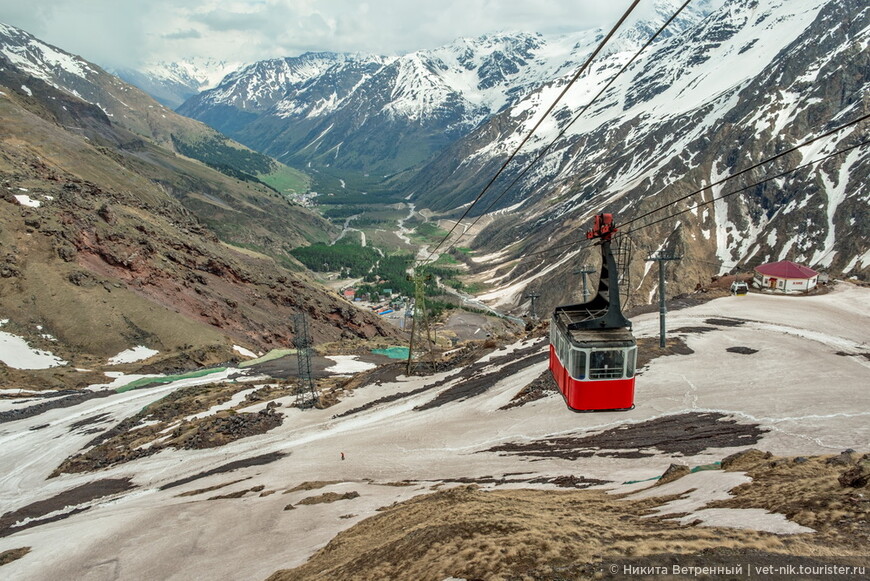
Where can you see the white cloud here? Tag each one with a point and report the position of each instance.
(117, 33)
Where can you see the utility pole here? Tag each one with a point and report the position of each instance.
(534, 297)
(420, 331)
(306, 395)
(661, 257)
(585, 270)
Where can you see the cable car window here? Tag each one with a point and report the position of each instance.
(606, 364)
(578, 364)
(631, 362)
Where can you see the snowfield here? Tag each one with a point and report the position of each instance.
(804, 381)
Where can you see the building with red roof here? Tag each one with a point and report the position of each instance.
(785, 276)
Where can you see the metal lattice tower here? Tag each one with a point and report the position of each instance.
(306, 395)
(421, 334)
(662, 257)
(534, 298)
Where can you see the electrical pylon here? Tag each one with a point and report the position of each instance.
(306, 395)
(421, 334)
(662, 257)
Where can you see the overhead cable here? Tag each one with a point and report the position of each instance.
(561, 133)
(544, 116)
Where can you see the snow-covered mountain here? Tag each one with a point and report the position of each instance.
(172, 83)
(122, 103)
(754, 79)
(386, 114)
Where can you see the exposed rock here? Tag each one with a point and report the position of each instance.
(744, 459)
(327, 497)
(858, 476)
(846, 458)
(674, 472)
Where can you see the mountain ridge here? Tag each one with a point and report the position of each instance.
(366, 105)
(108, 241)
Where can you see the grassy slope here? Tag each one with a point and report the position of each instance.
(535, 534)
(146, 270)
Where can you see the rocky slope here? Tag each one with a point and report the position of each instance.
(102, 249)
(754, 79)
(248, 213)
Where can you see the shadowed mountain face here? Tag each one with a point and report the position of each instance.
(108, 239)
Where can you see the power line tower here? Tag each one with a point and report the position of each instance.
(421, 334)
(661, 257)
(306, 395)
(534, 297)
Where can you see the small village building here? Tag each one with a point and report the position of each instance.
(785, 276)
(349, 294)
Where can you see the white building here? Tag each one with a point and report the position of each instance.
(785, 276)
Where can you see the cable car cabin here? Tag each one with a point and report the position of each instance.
(592, 351)
(594, 369)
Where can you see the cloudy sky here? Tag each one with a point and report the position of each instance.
(128, 33)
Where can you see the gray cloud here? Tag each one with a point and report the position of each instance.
(182, 35)
(131, 32)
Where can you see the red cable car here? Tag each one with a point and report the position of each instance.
(592, 350)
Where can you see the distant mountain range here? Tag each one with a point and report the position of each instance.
(382, 115)
(172, 83)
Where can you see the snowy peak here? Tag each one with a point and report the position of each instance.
(174, 83)
(41, 60)
(263, 84)
(198, 73)
(310, 109)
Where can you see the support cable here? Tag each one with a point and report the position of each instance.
(722, 181)
(540, 121)
(576, 117)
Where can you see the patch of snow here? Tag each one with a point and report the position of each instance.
(26, 200)
(133, 355)
(27, 90)
(836, 193)
(348, 364)
(699, 489)
(17, 354)
(244, 352)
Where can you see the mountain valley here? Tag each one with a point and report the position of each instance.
(208, 315)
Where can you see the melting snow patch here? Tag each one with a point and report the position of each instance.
(16, 353)
(347, 364)
(26, 200)
(133, 355)
(237, 399)
(699, 489)
(118, 380)
(27, 90)
(244, 352)
(747, 518)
